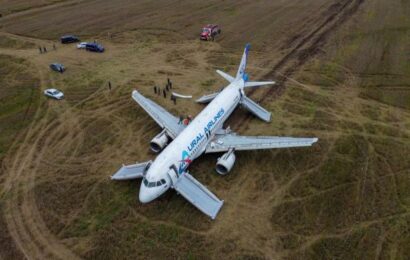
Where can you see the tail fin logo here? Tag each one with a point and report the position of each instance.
(242, 66)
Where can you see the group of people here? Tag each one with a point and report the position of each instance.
(44, 49)
(168, 87)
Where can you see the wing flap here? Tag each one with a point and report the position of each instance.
(225, 142)
(159, 114)
(130, 172)
(198, 195)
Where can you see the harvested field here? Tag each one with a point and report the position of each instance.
(343, 76)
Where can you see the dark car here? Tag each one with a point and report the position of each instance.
(69, 39)
(95, 47)
(57, 67)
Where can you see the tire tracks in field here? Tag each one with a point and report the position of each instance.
(22, 215)
(308, 47)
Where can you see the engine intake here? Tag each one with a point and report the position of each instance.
(159, 142)
(225, 162)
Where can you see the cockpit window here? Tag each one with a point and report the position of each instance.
(154, 183)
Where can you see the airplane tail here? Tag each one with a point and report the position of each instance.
(241, 71)
(242, 66)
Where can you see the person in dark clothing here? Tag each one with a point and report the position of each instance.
(54, 46)
(174, 99)
(170, 84)
(109, 85)
(41, 50)
(181, 119)
(165, 93)
(155, 89)
(159, 91)
(166, 87)
(44, 49)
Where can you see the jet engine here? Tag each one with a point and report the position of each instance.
(159, 142)
(225, 162)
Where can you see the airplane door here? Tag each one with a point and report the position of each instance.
(173, 175)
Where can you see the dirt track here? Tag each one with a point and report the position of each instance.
(306, 45)
(59, 203)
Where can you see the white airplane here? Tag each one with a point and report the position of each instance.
(205, 134)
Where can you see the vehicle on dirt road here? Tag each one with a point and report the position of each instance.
(54, 93)
(209, 32)
(69, 39)
(95, 47)
(82, 45)
(57, 67)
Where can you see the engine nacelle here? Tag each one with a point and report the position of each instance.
(159, 142)
(225, 162)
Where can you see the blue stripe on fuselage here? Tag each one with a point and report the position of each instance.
(207, 131)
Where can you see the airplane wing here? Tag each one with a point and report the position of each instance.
(222, 143)
(163, 118)
(198, 195)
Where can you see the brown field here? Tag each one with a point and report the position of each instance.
(343, 75)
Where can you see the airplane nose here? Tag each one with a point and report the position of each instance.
(144, 195)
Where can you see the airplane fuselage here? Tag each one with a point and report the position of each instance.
(190, 143)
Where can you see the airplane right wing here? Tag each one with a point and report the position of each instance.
(129, 172)
(198, 195)
(159, 114)
(223, 143)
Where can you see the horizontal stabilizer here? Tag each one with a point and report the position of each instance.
(207, 98)
(255, 109)
(228, 77)
(129, 172)
(198, 195)
(251, 84)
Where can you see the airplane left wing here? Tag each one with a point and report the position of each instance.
(163, 118)
(223, 143)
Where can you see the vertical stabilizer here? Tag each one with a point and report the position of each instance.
(242, 66)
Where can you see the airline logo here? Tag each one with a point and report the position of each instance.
(212, 122)
(186, 160)
(183, 164)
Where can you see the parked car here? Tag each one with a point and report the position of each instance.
(95, 47)
(54, 93)
(209, 32)
(82, 45)
(69, 39)
(57, 67)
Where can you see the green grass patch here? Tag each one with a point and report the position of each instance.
(19, 98)
(8, 42)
